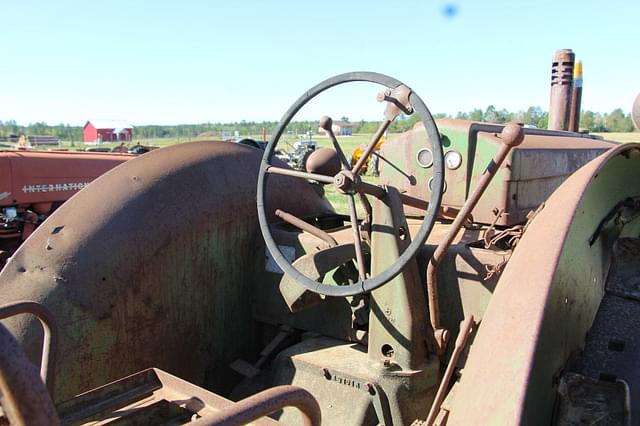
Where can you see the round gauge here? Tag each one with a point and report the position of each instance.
(424, 157)
(444, 185)
(453, 160)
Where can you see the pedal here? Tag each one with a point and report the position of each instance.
(245, 369)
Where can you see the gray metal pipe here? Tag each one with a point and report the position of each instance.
(50, 338)
(264, 403)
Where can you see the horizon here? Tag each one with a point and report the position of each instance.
(215, 62)
(436, 115)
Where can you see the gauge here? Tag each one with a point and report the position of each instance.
(453, 160)
(444, 185)
(424, 157)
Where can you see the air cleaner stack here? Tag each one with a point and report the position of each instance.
(561, 89)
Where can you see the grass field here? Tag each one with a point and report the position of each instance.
(621, 137)
(348, 144)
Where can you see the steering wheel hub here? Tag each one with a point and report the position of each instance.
(346, 182)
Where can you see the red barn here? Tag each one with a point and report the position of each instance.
(98, 131)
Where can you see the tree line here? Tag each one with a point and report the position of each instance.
(615, 121)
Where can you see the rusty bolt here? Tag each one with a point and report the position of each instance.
(326, 123)
(382, 95)
(326, 373)
(371, 389)
(346, 181)
(512, 134)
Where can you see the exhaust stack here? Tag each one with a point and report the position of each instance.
(561, 89)
(576, 98)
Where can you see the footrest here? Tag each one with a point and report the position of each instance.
(148, 397)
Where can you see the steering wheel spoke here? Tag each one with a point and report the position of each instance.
(357, 240)
(299, 174)
(306, 227)
(366, 205)
(326, 124)
(372, 146)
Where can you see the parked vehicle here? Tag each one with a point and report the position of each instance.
(298, 157)
(33, 184)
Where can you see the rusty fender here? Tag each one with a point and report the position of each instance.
(152, 264)
(546, 299)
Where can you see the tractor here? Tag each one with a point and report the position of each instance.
(490, 276)
(33, 184)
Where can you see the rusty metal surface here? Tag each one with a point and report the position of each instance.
(314, 265)
(443, 388)
(511, 136)
(528, 176)
(586, 401)
(612, 348)
(624, 276)
(398, 316)
(561, 89)
(323, 161)
(393, 377)
(160, 274)
(150, 396)
(398, 101)
(326, 124)
(546, 299)
(307, 227)
(265, 403)
(23, 396)
(348, 386)
(49, 340)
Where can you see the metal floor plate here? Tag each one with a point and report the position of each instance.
(612, 350)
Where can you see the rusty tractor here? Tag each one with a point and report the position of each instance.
(33, 184)
(488, 278)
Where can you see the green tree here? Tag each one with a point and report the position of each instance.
(476, 115)
(491, 114)
(587, 120)
(617, 121)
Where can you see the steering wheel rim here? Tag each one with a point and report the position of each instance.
(369, 284)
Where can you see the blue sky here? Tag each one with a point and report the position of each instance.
(155, 62)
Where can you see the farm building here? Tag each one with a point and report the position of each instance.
(98, 131)
(343, 128)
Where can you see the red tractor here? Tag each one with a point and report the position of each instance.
(33, 184)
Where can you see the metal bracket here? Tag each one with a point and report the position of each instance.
(380, 404)
(398, 101)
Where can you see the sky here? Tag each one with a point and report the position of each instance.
(192, 61)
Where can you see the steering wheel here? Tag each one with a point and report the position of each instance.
(400, 99)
